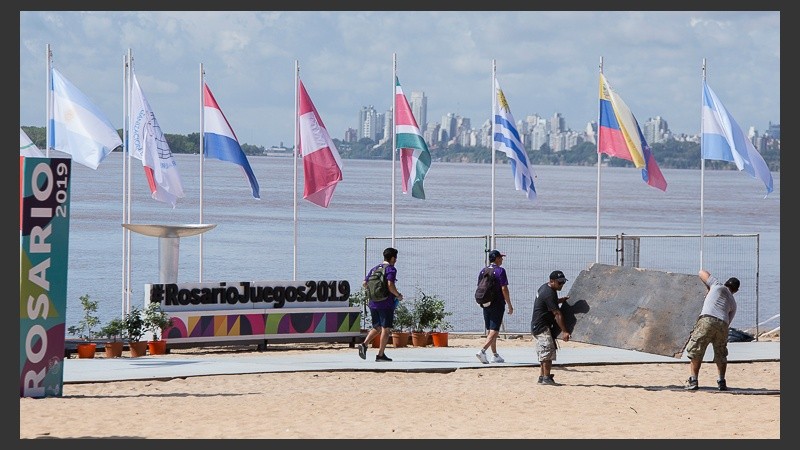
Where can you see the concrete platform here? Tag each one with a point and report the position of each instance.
(408, 359)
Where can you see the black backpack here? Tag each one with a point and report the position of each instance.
(485, 292)
(377, 288)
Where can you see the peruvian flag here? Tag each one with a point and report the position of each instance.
(322, 166)
(415, 159)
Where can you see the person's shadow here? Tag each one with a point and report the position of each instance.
(569, 311)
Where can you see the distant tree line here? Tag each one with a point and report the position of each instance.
(671, 154)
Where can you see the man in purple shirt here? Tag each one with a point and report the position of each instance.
(382, 312)
(493, 312)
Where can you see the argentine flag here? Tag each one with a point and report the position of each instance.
(722, 139)
(77, 126)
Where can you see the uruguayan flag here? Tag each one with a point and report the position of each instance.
(505, 138)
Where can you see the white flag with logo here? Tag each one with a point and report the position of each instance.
(148, 144)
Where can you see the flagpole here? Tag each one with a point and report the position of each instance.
(296, 154)
(48, 99)
(599, 159)
(702, 165)
(491, 142)
(124, 169)
(202, 162)
(129, 189)
(394, 136)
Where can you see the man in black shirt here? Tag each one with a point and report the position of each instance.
(546, 316)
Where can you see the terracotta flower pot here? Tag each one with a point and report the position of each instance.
(400, 338)
(439, 338)
(158, 347)
(113, 349)
(138, 348)
(419, 338)
(86, 350)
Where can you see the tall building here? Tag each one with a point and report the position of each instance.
(380, 125)
(655, 130)
(448, 130)
(591, 132)
(537, 130)
(351, 135)
(419, 107)
(557, 124)
(368, 122)
(774, 131)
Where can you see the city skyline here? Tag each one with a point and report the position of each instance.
(535, 130)
(547, 62)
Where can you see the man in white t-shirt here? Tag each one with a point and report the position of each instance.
(719, 308)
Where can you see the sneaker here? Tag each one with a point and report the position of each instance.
(541, 378)
(722, 385)
(379, 358)
(362, 351)
(691, 384)
(498, 359)
(482, 357)
(549, 381)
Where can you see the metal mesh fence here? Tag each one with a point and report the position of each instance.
(448, 266)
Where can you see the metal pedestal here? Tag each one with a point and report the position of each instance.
(169, 237)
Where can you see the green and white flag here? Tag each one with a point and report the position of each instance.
(415, 159)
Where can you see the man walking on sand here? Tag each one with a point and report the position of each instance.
(719, 308)
(493, 313)
(382, 311)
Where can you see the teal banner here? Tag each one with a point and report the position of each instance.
(43, 262)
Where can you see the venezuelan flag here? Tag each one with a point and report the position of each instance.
(619, 136)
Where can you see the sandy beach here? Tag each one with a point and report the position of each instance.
(619, 401)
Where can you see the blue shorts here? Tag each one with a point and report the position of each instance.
(382, 318)
(493, 316)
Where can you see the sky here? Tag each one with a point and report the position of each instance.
(547, 62)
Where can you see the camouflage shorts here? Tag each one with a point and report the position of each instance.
(708, 330)
(545, 346)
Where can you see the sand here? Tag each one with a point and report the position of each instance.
(620, 401)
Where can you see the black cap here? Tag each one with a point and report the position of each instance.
(558, 275)
(733, 283)
(494, 254)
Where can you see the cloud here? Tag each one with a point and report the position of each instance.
(547, 61)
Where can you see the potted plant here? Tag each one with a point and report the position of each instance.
(114, 329)
(156, 320)
(85, 327)
(440, 327)
(134, 328)
(403, 321)
(425, 313)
